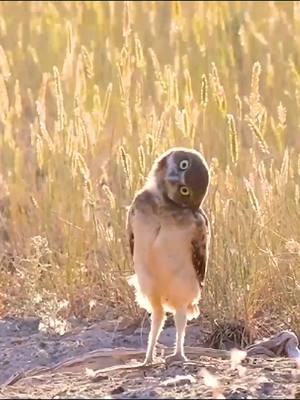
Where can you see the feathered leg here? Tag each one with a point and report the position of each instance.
(180, 323)
(157, 321)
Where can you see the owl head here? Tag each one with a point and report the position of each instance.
(182, 175)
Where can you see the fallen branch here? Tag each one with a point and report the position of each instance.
(284, 344)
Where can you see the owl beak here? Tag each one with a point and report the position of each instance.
(174, 177)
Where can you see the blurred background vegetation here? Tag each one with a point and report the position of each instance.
(91, 93)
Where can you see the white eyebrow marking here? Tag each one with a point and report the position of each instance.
(171, 165)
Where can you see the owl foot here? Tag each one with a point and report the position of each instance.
(148, 361)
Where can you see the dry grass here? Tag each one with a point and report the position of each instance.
(92, 92)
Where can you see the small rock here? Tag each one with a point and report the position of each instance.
(141, 394)
(179, 380)
(269, 369)
(151, 394)
(99, 378)
(118, 390)
(168, 336)
(266, 388)
(238, 393)
(297, 393)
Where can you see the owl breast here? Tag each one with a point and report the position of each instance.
(171, 266)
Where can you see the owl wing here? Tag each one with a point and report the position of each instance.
(200, 245)
(142, 213)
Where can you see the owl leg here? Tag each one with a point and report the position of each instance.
(157, 321)
(180, 323)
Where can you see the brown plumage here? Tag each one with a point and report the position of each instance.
(169, 238)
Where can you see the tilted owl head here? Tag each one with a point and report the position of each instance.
(183, 177)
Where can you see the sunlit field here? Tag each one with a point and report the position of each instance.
(91, 94)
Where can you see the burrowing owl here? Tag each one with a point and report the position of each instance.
(169, 238)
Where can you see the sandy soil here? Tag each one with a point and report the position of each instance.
(35, 360)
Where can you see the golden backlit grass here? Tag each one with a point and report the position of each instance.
(92, 92)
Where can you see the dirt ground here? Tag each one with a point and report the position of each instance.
(35, 364)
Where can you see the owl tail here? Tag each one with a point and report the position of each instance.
(193, 311)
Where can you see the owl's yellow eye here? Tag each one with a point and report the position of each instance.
(184, 191)
(184, 164)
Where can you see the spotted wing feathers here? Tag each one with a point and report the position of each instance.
(200, 245)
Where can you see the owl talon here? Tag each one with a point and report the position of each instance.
(148, 361)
